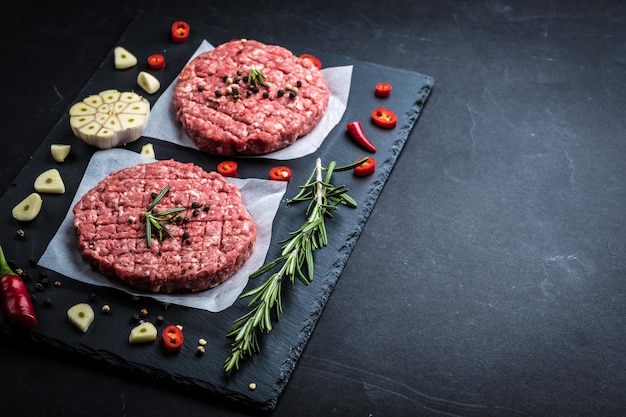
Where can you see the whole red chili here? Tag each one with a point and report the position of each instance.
(280, 173)
(227, 168)
(382, 90)
(384, 118)
(15, 302)
(172, 337)
(313, 60)
(156, 61)
(355, 130)
(366, 168)
(180, 31)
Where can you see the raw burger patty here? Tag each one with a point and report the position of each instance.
(210, 243)
(224, 115)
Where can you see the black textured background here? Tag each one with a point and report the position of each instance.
(488, 279)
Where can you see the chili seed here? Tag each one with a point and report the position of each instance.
(202, 342)
(200, 350)
(252, 386)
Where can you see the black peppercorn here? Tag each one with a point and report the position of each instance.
(195, 212)
(185, 235)
(266, 94)
(206, 207)
(218, 93)
(200, 88)
(195, 204)
(281, 93)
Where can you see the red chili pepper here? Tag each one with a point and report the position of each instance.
(382, 90)
(172, 338)
(156, 61)
(15, 302)
(384, 118)
(280, 173)
(227, 168)
(355, 130)
(314, 60)
(368, 167)
(180, 31)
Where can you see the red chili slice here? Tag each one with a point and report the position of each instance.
(227, 168)
(366, 168)
(382, 90)
(180, 31)
(156, 61)
(280, 173)
(313, 59)
(172, 338)
(384, 118)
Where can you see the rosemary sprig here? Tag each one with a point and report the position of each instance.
(155, 219)
(295, 261)
(256, 77)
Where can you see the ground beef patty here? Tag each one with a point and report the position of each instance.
(225, 113)
(211, 240)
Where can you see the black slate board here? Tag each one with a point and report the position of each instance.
(106, 341)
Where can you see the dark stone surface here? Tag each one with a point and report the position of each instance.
(488, 279)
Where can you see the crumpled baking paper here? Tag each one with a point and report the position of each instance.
(162, 123)
(261, 198)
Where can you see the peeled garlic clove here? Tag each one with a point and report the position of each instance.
(81, 315)
(123, 58)
(148, 150)
(50, 181)
(143, 333)
(28, 208)
(60, 151)
(148, 82)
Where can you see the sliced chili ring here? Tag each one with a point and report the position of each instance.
(180, 31)
(382, 90)
(384, 118)
(172, 338)
(280, 173)
(156, 61)
(313, 60)
(366, 168)
(227, 168)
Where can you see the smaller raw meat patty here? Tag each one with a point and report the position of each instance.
(211, 239)
(248, 98)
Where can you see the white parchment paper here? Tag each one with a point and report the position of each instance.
(261, 197)
(162, 123)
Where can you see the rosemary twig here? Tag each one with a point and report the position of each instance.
(295, 261)
(155, 219)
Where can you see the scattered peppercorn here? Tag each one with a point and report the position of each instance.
(45, 281)
(200, 88)
(47, 301)
(281, 92)
(159, 319)
(39, 286)
(32, 261)
(206, 207)
(292, 94)
(57, 283)
(42, 275)
(134, 318)
(266, 94)
(185, 219)
(299, 83)
(21, 233)
(106, 308)
(195, 212)
(185, 235)
(143, 312)
(195, 204)
(218, 93)
(91, 297)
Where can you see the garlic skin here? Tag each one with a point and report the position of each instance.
(110, 118)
